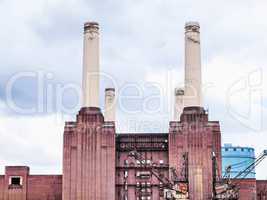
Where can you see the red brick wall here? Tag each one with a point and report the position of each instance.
(16, 192)
(198, 137)
(89, 157)
(34, 187)
(261, 189)
(44, 187)
(247, 188)
(2, 179)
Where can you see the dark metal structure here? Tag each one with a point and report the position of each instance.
(224, 188)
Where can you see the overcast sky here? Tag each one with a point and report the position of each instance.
(142, 46)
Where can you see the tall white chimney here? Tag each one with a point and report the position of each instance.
(193, 83)
(110, 105)
(178, 103)
(91, 65)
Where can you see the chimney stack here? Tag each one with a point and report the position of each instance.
(193, 85)
(91, 65)
(178, 103)
(110, 104)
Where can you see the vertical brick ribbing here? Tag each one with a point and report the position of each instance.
(199, 142)
(91, 171)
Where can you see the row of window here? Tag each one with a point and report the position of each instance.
(238, 149)
(143, 198)
(143, 162)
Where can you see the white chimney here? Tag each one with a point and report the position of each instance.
(110, 105)
(178, 103)
(193, 83)
(91, 65)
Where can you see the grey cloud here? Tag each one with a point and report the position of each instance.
(137, 37)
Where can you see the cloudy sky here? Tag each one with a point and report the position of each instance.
(142, 53)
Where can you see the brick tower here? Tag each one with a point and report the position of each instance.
(191, 133)
(89, 143)
(197, 137)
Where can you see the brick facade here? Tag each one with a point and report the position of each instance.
(261, 189)
(97, 165)
(195, 135)
(247, 188)
(33, 187)
(89, 157)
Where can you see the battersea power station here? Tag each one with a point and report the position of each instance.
(101, 164)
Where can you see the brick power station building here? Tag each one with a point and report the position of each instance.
(100, 164)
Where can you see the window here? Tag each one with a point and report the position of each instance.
(125, 174)
(15, 181)
(143, 174)
(137, 184)
(126, 162)
(138, 163)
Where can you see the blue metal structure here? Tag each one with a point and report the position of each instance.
(239, 158)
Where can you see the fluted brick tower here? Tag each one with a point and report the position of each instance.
(89, 143)
(197, 137)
